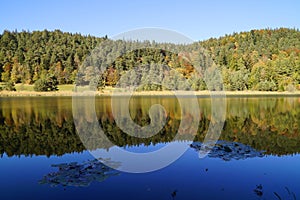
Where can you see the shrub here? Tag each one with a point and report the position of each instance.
(290, 88)
(46, 84)
(41, 85)
(267, 86)
(9, 86)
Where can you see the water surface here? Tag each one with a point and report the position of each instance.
(37, 134)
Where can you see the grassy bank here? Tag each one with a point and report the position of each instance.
(67, 90)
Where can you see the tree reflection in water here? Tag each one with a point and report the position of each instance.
(44, 126)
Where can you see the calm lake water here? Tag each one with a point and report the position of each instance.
(257, 156)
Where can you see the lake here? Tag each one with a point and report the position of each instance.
(43, 156)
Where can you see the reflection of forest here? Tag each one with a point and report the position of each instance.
(44, 126)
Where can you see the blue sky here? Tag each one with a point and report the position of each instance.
(198, 20)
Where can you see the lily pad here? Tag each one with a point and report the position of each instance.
(229, 150)
(79, 174)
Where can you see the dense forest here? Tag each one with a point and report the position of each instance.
(266, 60)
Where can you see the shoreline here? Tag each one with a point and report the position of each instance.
(148, 93)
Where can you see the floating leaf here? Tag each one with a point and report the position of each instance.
(74, 174)
(229, 150)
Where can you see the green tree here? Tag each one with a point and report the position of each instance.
(46, 84)
(5, 75)
(9, 86)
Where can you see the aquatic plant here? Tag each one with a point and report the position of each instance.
(79, 174)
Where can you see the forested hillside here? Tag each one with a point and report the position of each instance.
(259, 59)
(266, 60)
(29, 56)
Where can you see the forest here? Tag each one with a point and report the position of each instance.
(264, 60)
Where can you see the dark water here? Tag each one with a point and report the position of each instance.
(257, 156)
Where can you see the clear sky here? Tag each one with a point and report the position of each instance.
(198, 20)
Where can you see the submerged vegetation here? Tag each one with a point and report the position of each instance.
(265, 60)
